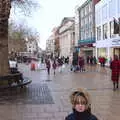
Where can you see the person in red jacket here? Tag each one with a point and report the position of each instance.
(115, 68)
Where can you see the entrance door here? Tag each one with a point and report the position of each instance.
(117, 52)
(89, 53)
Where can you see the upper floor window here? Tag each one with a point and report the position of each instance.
(112, 8)
(118, 6)
(82, 33)
(89, 6)
(104, 12)
(105, 30)
(99, 33)
(112, 29)
(85, 8)
(81, 13)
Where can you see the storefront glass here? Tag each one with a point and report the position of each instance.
(101, 52)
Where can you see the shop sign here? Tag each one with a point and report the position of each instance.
(116, 42)
(86, 45)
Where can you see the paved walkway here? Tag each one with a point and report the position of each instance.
(47, 98)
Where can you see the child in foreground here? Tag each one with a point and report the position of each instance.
(81, 106)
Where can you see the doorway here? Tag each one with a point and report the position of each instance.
(116, 51)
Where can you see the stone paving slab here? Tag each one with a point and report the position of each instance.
(33, 94)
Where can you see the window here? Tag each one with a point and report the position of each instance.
(118, 6)
(82, 33)
(82, 23)
(99, 33)
(85, 10)
(112, 8)
(112, 29)
(104, 12)
(101, 52)
(91, 5)
(81, 13)
(105, 29)
(90, 19)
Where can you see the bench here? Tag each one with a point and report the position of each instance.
(13, 80)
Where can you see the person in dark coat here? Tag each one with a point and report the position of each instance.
(54, 65)
(115, 68)
(81, 106)
(81, 64)
(48, 65)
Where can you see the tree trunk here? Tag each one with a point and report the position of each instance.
(5, 7)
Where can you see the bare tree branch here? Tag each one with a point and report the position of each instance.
(25, 6)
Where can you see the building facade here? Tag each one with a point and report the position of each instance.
(32, 46)
(66, 36)
(87, 28)
(56, 38)
(107, 43)
(76, 25)
(50, 45)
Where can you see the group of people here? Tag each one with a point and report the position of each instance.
(102, 61)
(78, 64)
(57, 62)
(91, 60)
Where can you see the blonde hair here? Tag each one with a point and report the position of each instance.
(80, 96)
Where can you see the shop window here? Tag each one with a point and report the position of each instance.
(101, 52)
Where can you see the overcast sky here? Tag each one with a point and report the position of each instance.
(50, 14)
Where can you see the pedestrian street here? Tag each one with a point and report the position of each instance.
(47, 97)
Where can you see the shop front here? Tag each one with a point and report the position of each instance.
(86, 47)
(116, 47)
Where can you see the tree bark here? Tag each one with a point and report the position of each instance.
(5, 7)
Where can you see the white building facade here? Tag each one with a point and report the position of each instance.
(66, 36)
(107, 43)
(76, 25)
(50, 45)
(32, 46)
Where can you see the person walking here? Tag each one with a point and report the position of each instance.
(81, 64)
(115, 68)
(60, 63)
(48, 65)
(54, 65)
(81, 106)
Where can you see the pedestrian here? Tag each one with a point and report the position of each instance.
(81, 106)
(88, 59)
(60, 63)
(94, 60)
(48, 65)
(115, 68)
(54, 65)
